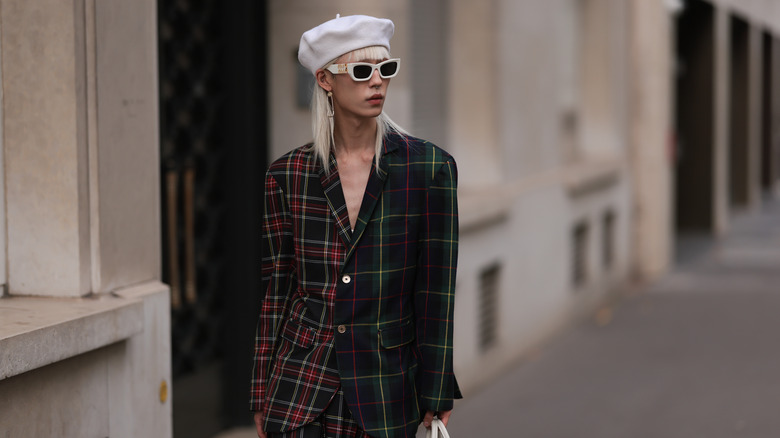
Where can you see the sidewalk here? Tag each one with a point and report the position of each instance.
(697, 354)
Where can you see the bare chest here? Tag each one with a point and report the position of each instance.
(354, 178)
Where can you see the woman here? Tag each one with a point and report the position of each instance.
(354, 337)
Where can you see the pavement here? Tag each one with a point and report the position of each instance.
(695, 354)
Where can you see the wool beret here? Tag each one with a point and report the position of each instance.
(341, 35)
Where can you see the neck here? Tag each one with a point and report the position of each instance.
(355, 135)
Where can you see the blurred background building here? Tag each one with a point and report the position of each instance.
(592, 136)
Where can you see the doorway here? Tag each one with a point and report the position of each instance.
(694, 100)
(213, 149)
(694, 126)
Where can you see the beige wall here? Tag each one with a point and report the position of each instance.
(650, 119)
(775, 123)
(764, 13)
(73, 220)
(85, 333)
(45, 148)
(744, 174)
(126, 138)
(73, 406)
(474, 83)
(559, 103)
(762, 16)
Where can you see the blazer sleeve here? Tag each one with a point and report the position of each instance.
(278, 276)
(435, 291)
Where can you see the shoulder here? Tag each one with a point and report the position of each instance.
(297, 165)
(417, 150)
(301, 160)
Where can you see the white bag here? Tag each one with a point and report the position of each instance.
(437, 430)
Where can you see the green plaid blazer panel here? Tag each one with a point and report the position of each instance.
(370, 309)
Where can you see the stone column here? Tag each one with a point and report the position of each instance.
(755, 113)
(775, 131)
(46, 147)
(81, 163)
(471, 91)
(127, 135)
(720, 144)
(81, 145)
(650, 148)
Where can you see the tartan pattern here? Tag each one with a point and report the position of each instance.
(335, 422)
(395, 357)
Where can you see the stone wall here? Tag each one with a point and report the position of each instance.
(85, 320)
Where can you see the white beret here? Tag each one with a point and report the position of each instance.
(341, 35)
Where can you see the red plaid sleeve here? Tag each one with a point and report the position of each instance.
(278, 274)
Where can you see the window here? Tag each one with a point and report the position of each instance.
(488, 306)
(580, 254)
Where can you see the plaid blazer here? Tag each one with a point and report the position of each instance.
(370, 310)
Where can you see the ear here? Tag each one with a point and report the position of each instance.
(324, 79)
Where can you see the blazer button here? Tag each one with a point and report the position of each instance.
(342, 329)
(346, 279)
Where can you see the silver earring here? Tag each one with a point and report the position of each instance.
(330, 118)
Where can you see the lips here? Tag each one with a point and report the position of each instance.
(376, 98)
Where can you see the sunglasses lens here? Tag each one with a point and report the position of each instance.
(389, 68)
(362, 71)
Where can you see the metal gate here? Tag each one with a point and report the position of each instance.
(212, 147)
(191, 212)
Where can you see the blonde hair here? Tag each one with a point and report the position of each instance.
(322, 126)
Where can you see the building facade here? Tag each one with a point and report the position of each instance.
(84, 316)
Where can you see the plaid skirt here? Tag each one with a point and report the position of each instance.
(336, 421)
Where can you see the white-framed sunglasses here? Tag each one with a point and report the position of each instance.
(362, 71)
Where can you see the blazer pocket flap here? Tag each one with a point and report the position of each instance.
(392, 337)
(298, 334)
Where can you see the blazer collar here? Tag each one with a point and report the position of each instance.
(390, 143)
(334, 193)
(374, 187)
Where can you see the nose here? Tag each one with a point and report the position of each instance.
(375, 80)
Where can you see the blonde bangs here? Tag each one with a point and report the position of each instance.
(372, 53)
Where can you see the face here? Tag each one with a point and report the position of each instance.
(361, 99)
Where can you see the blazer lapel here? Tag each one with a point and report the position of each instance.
(374, 187)
(331, 186)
